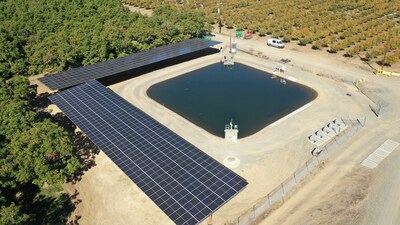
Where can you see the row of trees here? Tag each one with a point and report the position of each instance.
(375, 34)
(49, 36)
(334, 25)
(34, 152)
(41, 36)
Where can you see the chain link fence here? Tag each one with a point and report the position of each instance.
(276, 197)
(380, 106)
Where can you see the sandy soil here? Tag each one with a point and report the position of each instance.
(105, 195)
(345, 192)
(143, 11)
(40, 87)
(331, 202)
(383, 205)
(342, 193)
(320, 54)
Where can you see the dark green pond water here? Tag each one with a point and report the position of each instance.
(211, 96)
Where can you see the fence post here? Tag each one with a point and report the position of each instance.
(379, 110)
(269, 200)
(340, 138)
(345, 133)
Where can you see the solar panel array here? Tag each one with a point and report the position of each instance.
(187, 184)
(110, 67)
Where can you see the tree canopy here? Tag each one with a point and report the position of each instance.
(33, 151)
(39, 36)
(12, 215)
(42, 154)
(363, 27)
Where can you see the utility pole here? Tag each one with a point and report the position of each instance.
(219, 16)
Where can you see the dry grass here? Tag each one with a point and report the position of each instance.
(341, 204)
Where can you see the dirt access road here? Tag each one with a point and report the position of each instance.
(343, 191)
(325, 199)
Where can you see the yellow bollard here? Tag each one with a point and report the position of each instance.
(379, 72)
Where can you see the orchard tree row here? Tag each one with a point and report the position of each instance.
(40, 36)
(36, 156)
(333, 25)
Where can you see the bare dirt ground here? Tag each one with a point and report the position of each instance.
(343, 192)
(320, 54)
(330, 203)
(143, 11)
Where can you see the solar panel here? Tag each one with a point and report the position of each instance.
(185, 183)
(110, 67)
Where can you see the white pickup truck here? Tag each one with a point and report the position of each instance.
(275, 43)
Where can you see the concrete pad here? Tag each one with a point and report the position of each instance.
(380, 154)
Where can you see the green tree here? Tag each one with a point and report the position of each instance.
(12, 214)
(49, 36)
(15, 116)
(17, 88)
(15, 110)
(42, 154)
(11, 54)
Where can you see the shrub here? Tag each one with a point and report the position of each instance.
(317, 45)
(262, 31)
